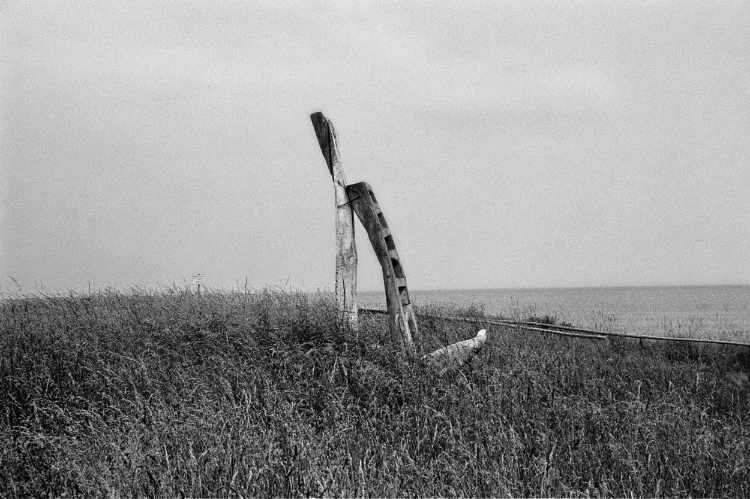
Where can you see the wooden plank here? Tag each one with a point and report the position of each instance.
(644, 336)
(401, 318)
(346, 249)
(556, 332)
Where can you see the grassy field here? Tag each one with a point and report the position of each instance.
(255, 394)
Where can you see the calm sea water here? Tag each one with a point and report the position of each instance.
(699, 311)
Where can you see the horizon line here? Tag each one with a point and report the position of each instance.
(608, 286)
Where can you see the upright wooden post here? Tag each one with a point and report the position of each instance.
(402, 320)
(346, 250)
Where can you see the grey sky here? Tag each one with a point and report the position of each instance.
(510, 143)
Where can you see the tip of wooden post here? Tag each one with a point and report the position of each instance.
(481, 336)
(326, 135)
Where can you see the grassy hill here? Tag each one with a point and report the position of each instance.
(171, 393)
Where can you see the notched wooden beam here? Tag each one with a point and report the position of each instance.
(401, 317)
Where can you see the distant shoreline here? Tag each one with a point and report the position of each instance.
(536, 288)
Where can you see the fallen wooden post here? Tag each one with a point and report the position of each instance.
(346, 249)
(455, 355)
(402, 320)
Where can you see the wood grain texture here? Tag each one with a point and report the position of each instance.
(401, 318)
(346, 249)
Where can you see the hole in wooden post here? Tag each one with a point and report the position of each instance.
(381, 219)
(372, 195)
(397, 270)
(404, 293)
(389, 242)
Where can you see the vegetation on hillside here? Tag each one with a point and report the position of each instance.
(172, 393)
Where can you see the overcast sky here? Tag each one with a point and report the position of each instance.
(511, 144)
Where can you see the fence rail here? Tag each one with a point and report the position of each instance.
(562, 330)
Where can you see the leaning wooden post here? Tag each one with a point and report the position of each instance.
(401, 317)
(346, 250)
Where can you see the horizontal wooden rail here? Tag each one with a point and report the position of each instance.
(642, 336)
(560, 333)
(472, 320)
(565, 330)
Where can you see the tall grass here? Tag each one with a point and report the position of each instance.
(256, 394)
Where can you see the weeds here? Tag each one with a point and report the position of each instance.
(257, 394)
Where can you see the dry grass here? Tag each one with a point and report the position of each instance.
(132, 394)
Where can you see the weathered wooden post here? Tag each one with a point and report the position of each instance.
(360, 199)
(346, 249)
(402, 320)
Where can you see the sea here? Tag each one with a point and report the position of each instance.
(717, 312)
